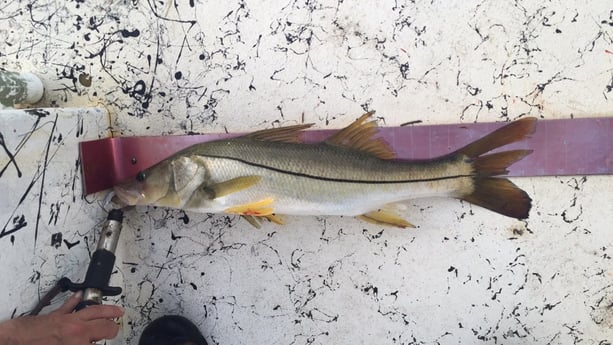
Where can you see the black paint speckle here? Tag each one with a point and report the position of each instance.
(70, 245)
(56, 239)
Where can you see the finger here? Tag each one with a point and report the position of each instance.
(100, 312)
(70, 304)
(102, 329)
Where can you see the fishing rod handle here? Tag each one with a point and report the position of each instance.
(101, 265)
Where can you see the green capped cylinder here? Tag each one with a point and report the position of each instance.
(19, 88)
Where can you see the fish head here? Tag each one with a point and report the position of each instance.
(147, 187)
(170, 183)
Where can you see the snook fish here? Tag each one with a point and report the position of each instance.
(269, 173)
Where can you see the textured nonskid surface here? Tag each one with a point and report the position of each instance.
(464, 276)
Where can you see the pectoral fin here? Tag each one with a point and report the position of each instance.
(385, 217)
(230, 186)
(202, 196)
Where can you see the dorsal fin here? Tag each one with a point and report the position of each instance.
(287, 134)
(360, 136)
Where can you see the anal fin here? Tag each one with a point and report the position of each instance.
(385, 217)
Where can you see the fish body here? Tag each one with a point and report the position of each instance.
(353, 174)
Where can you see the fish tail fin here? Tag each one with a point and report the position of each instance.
(497, 193)
(501, 196)
(514, 131)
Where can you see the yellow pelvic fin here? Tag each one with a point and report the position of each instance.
(255, 211)
(385, 217)
(360, 135)
(258, 209)
(253, 221)
(275, 219)
(287, 134)
(231, 186)
(256, 223)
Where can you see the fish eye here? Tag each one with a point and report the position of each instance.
(140, 176)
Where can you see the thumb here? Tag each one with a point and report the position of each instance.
(70, 304)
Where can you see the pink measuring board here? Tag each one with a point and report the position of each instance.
(561, 147)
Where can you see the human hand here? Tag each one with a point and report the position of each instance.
(62, 326)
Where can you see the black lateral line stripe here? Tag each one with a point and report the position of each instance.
(321, 178)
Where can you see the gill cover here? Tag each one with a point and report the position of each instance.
(168, 183)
